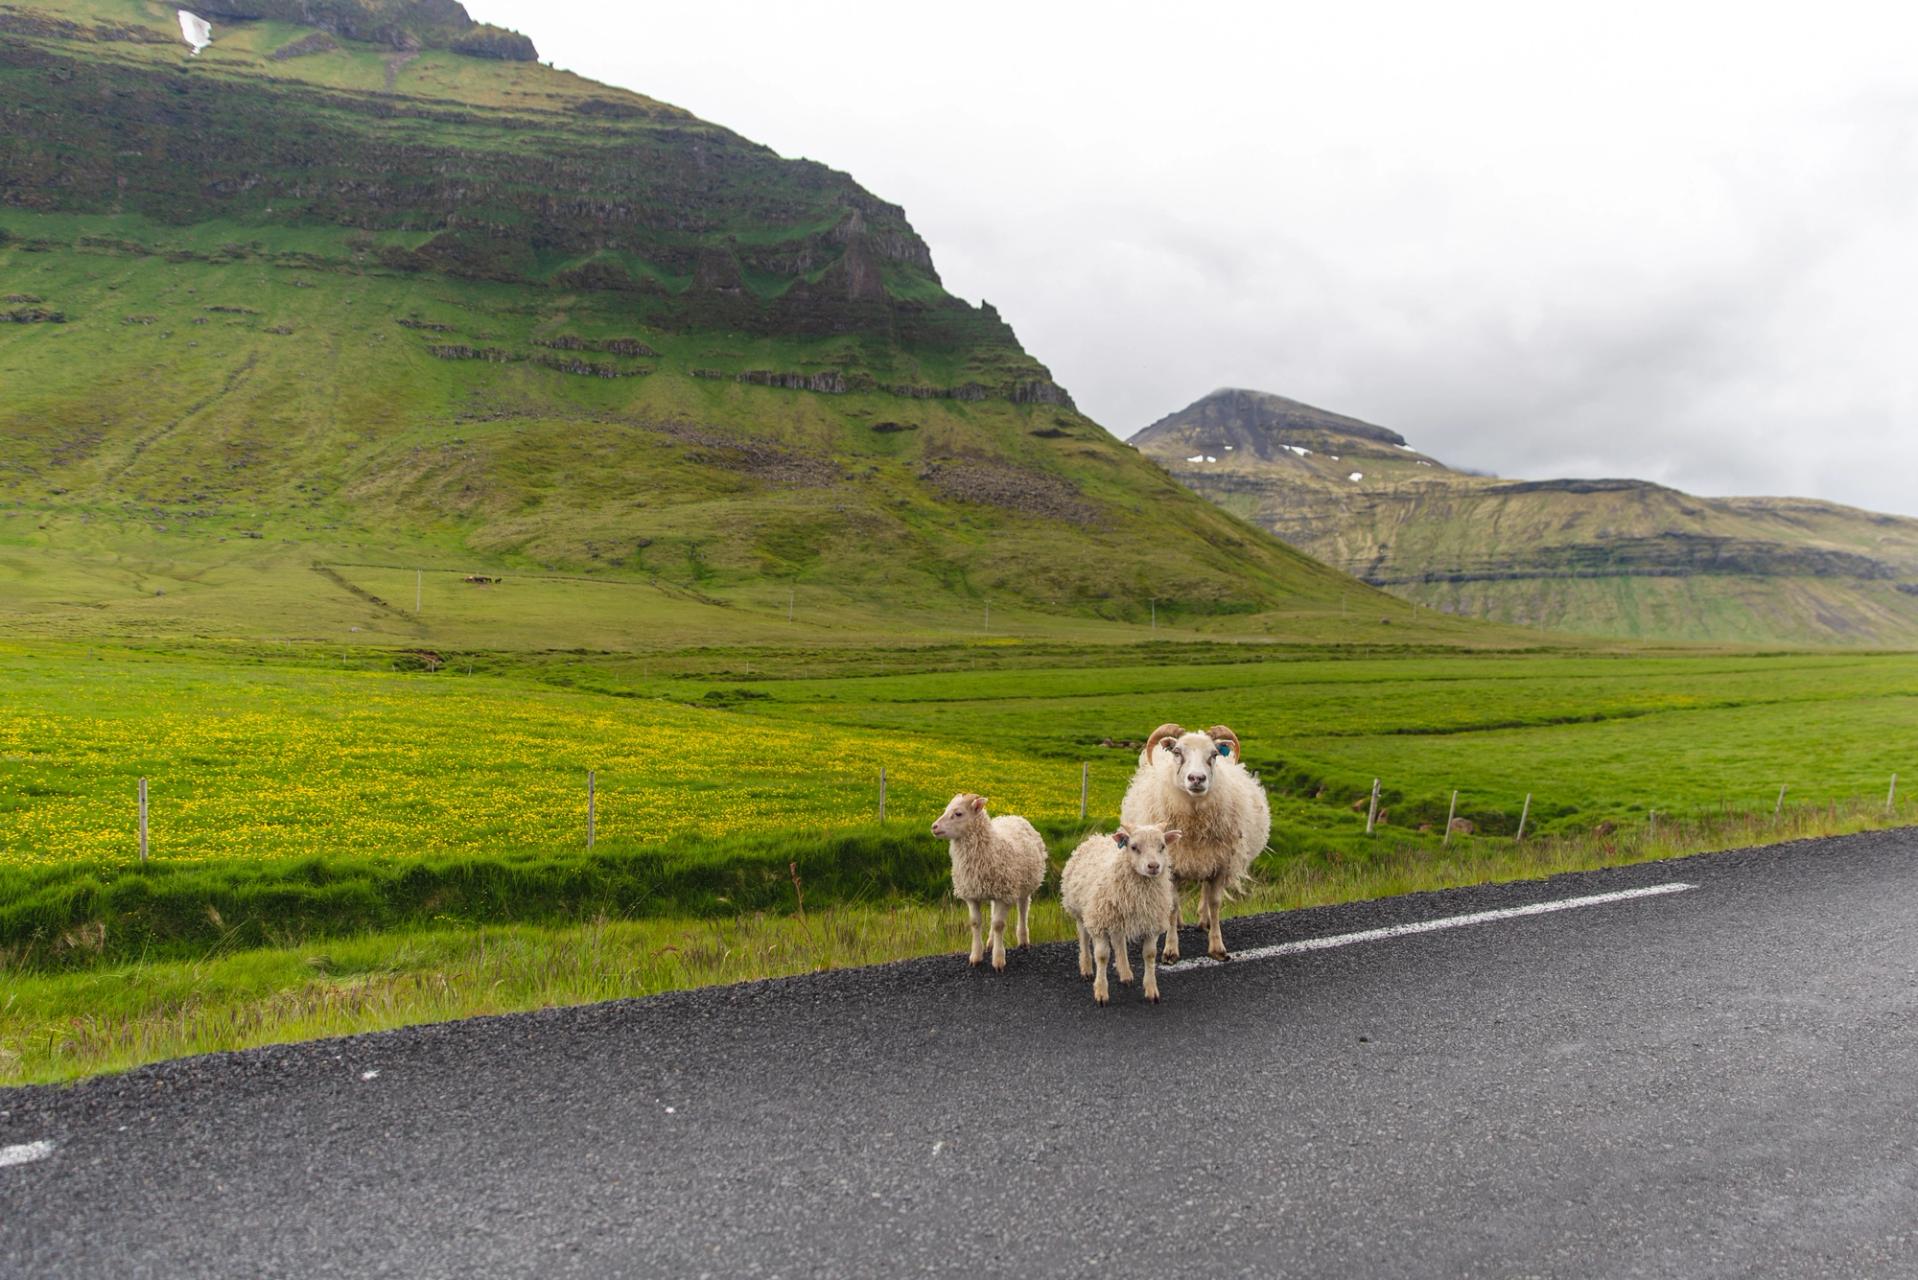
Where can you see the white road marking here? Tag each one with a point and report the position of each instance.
(1429, 926)
(25, 1153)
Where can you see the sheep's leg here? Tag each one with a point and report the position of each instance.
(998, 934)
(1085, 950)
(1101, 952)
(978, 944)
(1214, 894)
(1025, 921)
(1121, 960)
(1149, 957)
(1172, 933)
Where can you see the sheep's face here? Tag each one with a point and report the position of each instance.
(964, 810)
(1193, 757)
(1146, 846)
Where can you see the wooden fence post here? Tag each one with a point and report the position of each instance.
(882, 793)
(1372, 814)
(1780, 806)
(1523, 814)
(143, 821)
(591, 799)
(1085, 785)
(1891, 796)
(1449, 815)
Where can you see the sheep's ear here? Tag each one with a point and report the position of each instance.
(978, 804)
(1174, 836)
(1122, 837)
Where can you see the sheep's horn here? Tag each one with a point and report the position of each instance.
(1159, 735)
(1219, 733)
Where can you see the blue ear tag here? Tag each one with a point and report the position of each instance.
(1119, 838)
(1225, 748)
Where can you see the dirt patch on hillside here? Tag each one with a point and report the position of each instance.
(768, 463)
(1033, 493)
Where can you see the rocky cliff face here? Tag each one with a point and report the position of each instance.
(1604, 556)
(589, 189)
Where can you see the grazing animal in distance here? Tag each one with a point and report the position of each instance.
(998, 860)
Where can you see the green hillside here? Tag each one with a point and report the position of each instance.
(1620, 558)
(301, 314)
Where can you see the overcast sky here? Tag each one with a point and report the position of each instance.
(1667, 241)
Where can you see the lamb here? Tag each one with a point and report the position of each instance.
(1001, 860)
(1197, 783)
(1118, 890)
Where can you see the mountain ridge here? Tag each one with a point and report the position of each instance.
(1607, 556)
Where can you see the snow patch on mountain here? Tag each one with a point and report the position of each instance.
(195, 30)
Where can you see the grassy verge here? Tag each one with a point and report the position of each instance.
(77, 914)
(62, 1024)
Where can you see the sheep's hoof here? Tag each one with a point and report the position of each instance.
(1100, 998)
(998, 964)
(1220, 954)
(975, 961)
(1169, 956)
(1152, 997)
(1125, 982)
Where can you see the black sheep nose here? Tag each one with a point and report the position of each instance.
(1195, 777)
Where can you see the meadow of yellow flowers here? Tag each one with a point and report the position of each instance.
(278, 762)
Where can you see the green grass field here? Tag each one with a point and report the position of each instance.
(256, 759)
(334, 841)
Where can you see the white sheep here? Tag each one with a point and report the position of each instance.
(997, 860)
(1118, 890)
(1197, 783)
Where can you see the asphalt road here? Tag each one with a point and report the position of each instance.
(1714, 1082)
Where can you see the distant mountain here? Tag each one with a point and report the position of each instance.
(356, 284)
(1257, 422)
(1621, 558)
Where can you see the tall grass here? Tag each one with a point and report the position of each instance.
(64, 915)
